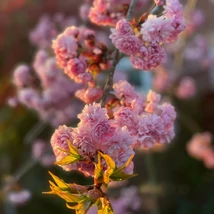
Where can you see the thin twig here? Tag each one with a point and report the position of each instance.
(157, 9)
(131, 10)
(152, 177)
(34, 132)
(116, 58)
(189, 122)
(179, 56)
(24, 169)
(109, 82)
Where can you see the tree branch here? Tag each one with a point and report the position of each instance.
(131, 10)
(116, 54)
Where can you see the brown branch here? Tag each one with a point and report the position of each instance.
(109, 82)
(157, 10)
(116, 58)
(131, 10)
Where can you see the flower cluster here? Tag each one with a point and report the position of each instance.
(200, 147)
(102, 145)
(147, 121)
(134, 123)
(48, 28)
(109, 12)
(47, 98)
(144, 43)
(82, 57)
(80, 54)
(94, 133)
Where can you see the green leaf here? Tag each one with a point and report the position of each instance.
(125, 165)
(83, 206)
(73, 155)
(75, 207)
(72, 198)
(72, 149)
(120, 176)
(68, 160)
(110, 167)
(109, 161)
(58, 181)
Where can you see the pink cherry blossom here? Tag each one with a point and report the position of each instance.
(186, 88)
(29, 97)
(21, 76)
(43, 33)
(93, 114)
(127, 44)
(90, 94)
(124, 91)
(159, 2)
(19, 197)
(84, 11)
(125, 116)
(59, 140)
(76, 70)
(156, 29)
(149, 57)
(123, 27)
(38, 149)
(94, 133)
(199, 145)
(65, 47)
(153, 100)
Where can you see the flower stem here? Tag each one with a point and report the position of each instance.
(152, 177)
(34, 132)
(131, 10)
(109, 82)
(116, 58)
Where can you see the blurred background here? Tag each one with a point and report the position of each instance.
(171, 178)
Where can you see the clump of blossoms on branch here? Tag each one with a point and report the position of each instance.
(102, 145)
(143, 40)
(95, 132)
(109, 12)
(103, 142)
(46, 97)
(47, 28)
(80, 54)
(82, 57)
(135, 122)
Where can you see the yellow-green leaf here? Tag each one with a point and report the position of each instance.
(72, 149)
(72, 198)
(82, 207)
(125, 165)
(58, 181)
(104, 206)
(68, 160)
(110, 167)
(109, 161)
(75, 207)
(120, 176)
